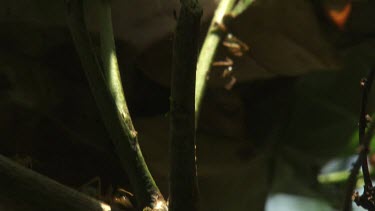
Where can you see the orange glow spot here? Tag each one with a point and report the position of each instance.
(339, 17)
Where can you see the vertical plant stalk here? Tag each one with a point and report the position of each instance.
(112, 109)
(364, 141)
(183, 169)
(208, 51)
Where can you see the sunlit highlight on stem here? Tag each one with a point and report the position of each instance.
(208, 51)
(110, 63)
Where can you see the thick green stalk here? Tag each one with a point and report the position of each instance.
(183, 170)
(208, 51)
(110, 64)
(116, 118)
(24, 189)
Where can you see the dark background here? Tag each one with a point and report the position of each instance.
(294, 107)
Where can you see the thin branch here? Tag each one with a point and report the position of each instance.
(208, 51)
(23, 189)
(364, 140)
(183, 169)
(352, 181)
(363, 120)
(112, 108)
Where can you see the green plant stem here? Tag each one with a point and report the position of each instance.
(24, 189)
(208, 51)
(110, 64)
(117, 122)
(183, 169)
(240, 7)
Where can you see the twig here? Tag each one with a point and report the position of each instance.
(23, 189)
(352, 181)
(112, 108)
(364, 140)
(208, 51)
(183, 169)
(363, 120)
